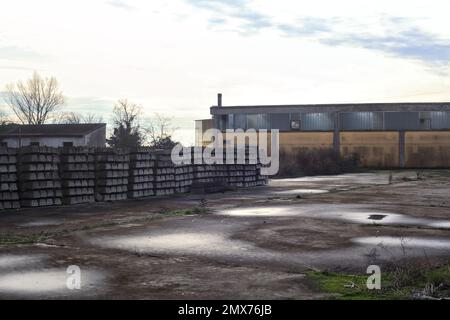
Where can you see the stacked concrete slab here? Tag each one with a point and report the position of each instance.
(77, 172)
(250, 175)
(184, 177)
(111, 174)
(261, 180)
(141, 173)
(235, 175)
(39, 180)
(9, 195)
(164, 173)
(48, 176)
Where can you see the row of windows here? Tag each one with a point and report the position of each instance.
(321, 121)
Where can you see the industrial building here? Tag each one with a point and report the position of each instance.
(382, 135)
(54, 135)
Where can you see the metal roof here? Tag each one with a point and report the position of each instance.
(345, 107)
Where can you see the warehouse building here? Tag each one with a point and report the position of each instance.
(54, 135)
(382, 135)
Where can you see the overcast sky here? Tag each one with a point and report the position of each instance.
(174, 56)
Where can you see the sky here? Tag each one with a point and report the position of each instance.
(173, 57)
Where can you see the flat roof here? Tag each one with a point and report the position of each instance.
(342, 107)
(51, 130)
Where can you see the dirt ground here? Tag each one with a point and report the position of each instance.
(255, 243)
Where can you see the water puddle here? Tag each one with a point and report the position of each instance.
(17, 261)
(40, 223)
(349, 213)
(45, 281)
(301, 191)
(178, 243)
(344, 178)
(260, 212)
(406, 242)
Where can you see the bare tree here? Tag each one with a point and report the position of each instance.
(3, 118)
(34, 101)
(127, 130)
(76, 118)
(159, 130)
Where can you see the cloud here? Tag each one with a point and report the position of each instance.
(20, 53)
(120, 4)
(410, 43)
(400, 36)
(250, 21)
(306, 26)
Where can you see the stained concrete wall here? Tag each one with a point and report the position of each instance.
(374, 149)
(305, 141)
(427, 149)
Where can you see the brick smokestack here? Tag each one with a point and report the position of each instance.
(219, 99)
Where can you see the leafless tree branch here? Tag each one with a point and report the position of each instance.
(34, 101)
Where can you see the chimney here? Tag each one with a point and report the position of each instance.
(219, 99)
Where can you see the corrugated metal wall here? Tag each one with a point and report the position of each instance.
(361, 121)
(348, 121)
(440, 120)
(317, 121)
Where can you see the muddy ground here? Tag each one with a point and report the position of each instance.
(256, 243)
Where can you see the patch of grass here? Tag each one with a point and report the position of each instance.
(13, 239)
(395, 284)
(350, 287)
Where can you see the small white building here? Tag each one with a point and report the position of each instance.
(54, 135)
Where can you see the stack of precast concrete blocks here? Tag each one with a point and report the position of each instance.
(111, 174)
(36, 176)
(261, 179)
(9, 195)
(141, 173)
(39, 180)
(77, 172)
(164, 173)
(211, 170)
(184, 177)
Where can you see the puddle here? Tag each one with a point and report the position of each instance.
(45, 282)
(41, 223)
(179, 243)
(349, 213)
(17, 261)
(344, 178)
(407, 242)
(260, 212)
(302, 191)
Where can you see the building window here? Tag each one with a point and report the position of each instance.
(3, 144)
(68, 144)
